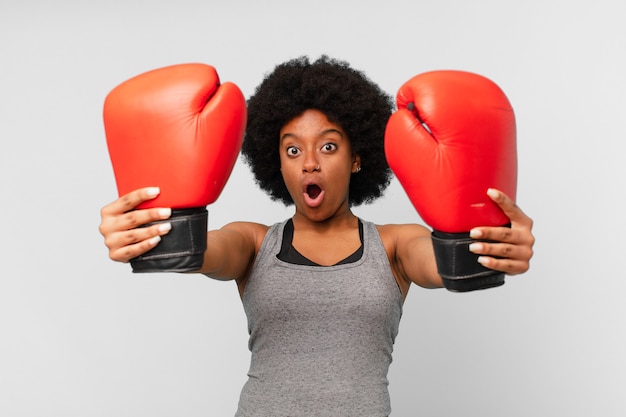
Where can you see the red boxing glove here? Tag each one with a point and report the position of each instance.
(453, 137)
(179, 129)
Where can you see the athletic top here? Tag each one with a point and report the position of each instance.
(321, 337)
(290, 254)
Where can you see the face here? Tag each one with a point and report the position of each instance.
(316, 162)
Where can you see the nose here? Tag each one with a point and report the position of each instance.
(310, 165)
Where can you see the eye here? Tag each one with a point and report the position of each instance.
(292, 151)
(329, 147)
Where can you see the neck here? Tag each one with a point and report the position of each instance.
(339, 221)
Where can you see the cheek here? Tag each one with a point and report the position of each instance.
(287, 173)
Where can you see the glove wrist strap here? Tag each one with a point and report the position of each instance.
(182, 248)
(459, 267)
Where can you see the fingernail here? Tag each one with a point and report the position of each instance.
(155, 240)
(476, 233)
(153, 191)
(481, 260)
(475, 247)
(493, 193)
(165, 227)
(164, 213)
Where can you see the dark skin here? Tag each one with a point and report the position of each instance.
(317, 163)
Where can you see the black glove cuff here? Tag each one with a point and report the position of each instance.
(180, 250)
(459, 267)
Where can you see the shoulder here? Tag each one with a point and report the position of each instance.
(400, 238)
(247, 226)
(250, 231)
(395, 233)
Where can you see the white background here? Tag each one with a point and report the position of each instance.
(82, 336)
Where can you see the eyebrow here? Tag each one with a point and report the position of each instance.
(322, 133)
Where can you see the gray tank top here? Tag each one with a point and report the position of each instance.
(321, 337)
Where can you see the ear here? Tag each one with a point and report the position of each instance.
(356, 163)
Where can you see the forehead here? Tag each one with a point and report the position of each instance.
(310, 123)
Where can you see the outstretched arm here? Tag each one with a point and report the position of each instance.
(510, 250)
(410, 251)
(230, 250)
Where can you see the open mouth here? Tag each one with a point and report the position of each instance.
(313, 195)
(313, 191)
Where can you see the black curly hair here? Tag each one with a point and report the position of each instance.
(345, 95)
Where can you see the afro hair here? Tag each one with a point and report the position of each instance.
(345, 95)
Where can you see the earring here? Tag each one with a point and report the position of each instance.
(358, 169)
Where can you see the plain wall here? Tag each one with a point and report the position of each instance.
(82, 336)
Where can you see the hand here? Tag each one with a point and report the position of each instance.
(512, 247)
(121, 223)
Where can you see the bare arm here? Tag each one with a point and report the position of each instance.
(410, 252)
(231, 250)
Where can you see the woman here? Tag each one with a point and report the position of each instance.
(323, 290)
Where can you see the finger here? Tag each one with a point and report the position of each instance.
(124, 246)
(495, 234)
(505, 242)
(503, 250)
(508, 266)
(511, 258)
(508, 206)
(129, 201)
(120, 239)
(126, 253)
(136, 218)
